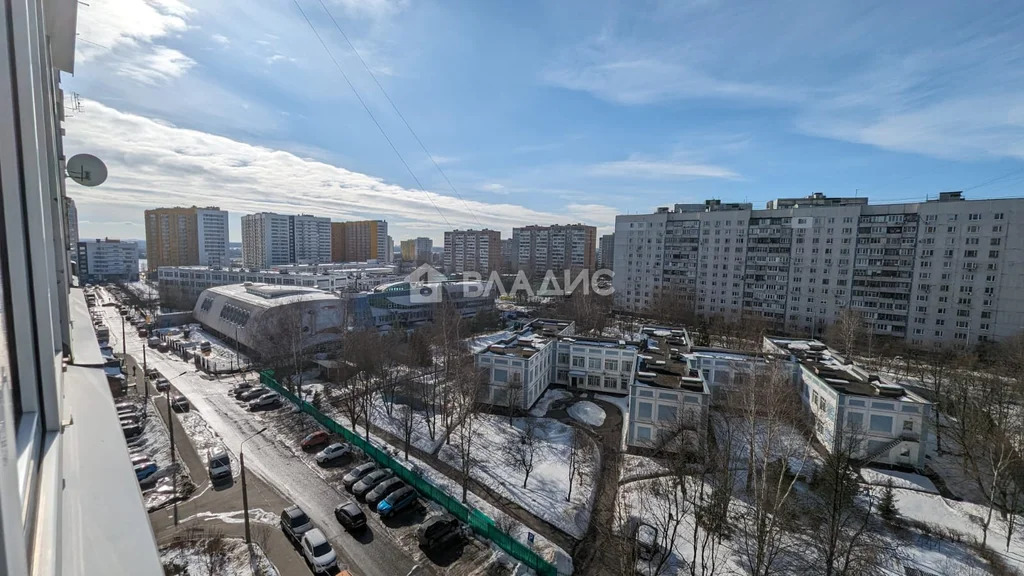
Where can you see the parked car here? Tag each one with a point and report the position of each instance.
(143, 332)
(127, 408)
(318, 552)
(153, 342)
(131, 430)
(144, 470)
(333, 452)
(265, 401)
(180, 404)
(162, 384)
(295, 523)
(218, 463)
(252, 394)
(139, 459)
(437, 531)
(237, 389)
(381, 491)
(152, 373)
(130, 418)
(350, 515)
(370, 481)
(315, 439)
(356, 474)
(646, 540)
(397, 501)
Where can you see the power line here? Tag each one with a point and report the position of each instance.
(996, 179)
(369, 113)
(398, 112)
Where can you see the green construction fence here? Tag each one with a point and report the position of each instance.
(478, 521)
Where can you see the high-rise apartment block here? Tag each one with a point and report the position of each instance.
(270, 239)
(945, 270)
(606, 251)
(72, 216)
(108, 260)
(417, 249)
(186, 237)
(472, 251)
(361, 241)
(537, 249)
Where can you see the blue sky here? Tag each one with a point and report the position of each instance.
(539, 112)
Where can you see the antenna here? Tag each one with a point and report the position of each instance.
(87, 170)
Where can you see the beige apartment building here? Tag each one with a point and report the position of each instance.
(360, 241)
(190, 236)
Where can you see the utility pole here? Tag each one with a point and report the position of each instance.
(145, 373)
(238, 362)
(124, 344)
(174, 477)
(245, 492)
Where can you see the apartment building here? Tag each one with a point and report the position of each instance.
(472, 251)
(606, 251)
(70, 503)
(266, 240)
(889, 423)
(108, 260)
(186, 237)
(417, 250)
(669, 399)
(537, 249)
(311, 239)
(360, 241)
(71, 212)
(944, 270)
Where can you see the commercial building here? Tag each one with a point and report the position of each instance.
(472, 251)
(889, 423)
(70, 504)
(606, 251)
(108, 261)
(417, 250)
(537, 249)
(270, 239)
(361, 241)
(180, 286)
(186, 237)
(409, 304)
(259, 316)
(944, 270)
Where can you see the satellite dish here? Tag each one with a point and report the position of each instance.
(87, 170)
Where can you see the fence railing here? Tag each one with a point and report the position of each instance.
(476, 520)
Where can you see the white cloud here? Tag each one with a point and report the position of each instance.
(220, 39)
(156, 66)
(156, 164)
(659, 169)
(493, 187)
(125, 24)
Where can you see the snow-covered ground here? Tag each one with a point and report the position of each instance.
(633, 467)
(899, 479)
(204, 438)
(551, 395)
(548, 483)
(478, 343)
(228, 557)
(155, 443)
(587, 412)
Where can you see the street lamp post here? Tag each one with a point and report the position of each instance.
(238, 362)
(124, 343)
(245, 493)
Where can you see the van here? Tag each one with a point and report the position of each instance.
(218, 463)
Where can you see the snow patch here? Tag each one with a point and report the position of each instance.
(587, 413)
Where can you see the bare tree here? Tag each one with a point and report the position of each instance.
(467, 383)
(515, 394)
(709, 496)
(665, 505)
(582, 460)
(389, 367)
(673, 305)
(213, 556)
(772, 415)
(520, 455)
(407, 417)
(846, 332)
(282, 344)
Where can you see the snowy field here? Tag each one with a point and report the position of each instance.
(548, 485)
(550, 396)
(155, 444)
(228, 557)
(204, 438)
(633, 467)
(588, 413)
(906, 480)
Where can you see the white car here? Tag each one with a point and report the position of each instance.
(318, 551)
(265, 401)
(333, 452)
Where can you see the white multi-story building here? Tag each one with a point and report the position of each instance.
(212, 236)
(944, 270)
(669, 399)
(472, 251)
(311, 239)
(889, 423)
(72, 214)
(266, 240)
(591, 364)
(537, 249)
(108, 260)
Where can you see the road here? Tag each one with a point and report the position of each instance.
(273, 463)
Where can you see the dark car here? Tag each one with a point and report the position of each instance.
(356, 474)
(162, 384)
(381, 491)
(131, 430)
(252, 394)
(370, 481)
(350, 515)
(397, 501)
(438, 531)
(295, 523)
